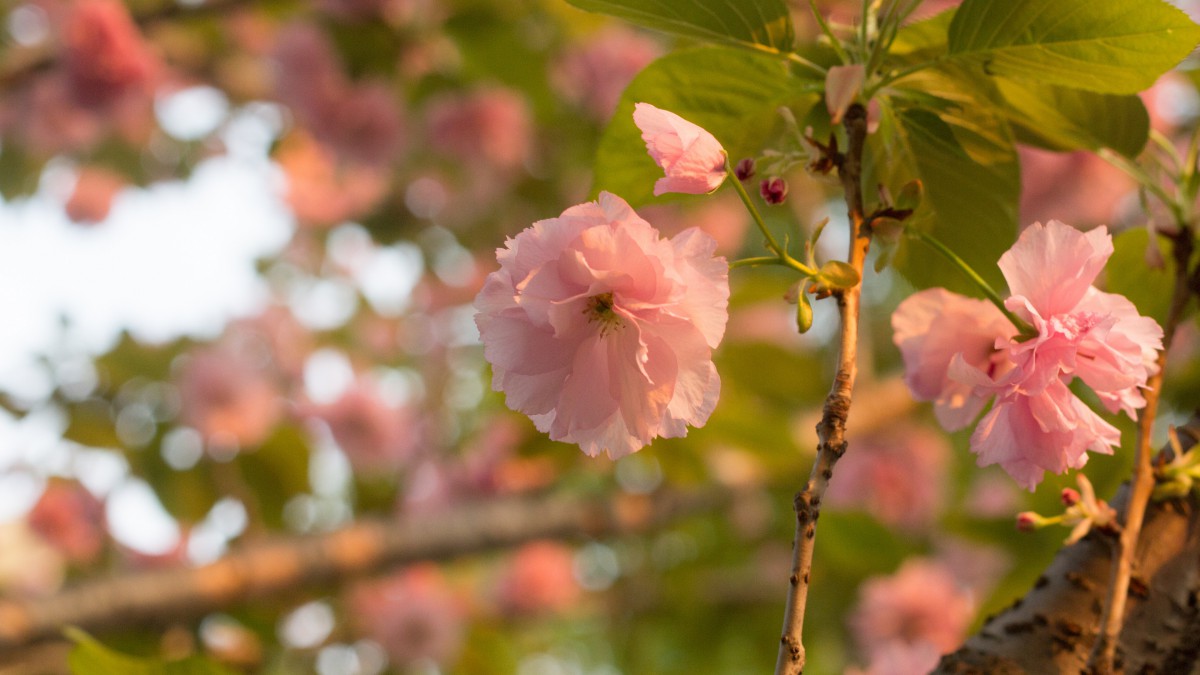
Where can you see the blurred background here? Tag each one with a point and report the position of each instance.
(239, 242)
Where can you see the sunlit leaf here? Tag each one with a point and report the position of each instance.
(752, 23)
(1064, 119)
(1113, 46)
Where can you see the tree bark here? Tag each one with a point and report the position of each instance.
(1053, 627)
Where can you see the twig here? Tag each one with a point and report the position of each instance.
(1103, 657)
(831, 429)
(275, 568)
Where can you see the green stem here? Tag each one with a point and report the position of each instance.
(754, 262)
(1135, 172)
(781, 254)
(1023, 328)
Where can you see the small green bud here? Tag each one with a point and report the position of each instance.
(910, 196)
(804, 312)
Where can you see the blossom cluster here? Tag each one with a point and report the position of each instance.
(962, 353)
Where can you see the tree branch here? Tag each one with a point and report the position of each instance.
(1053, 628)
(831, 430)
(1104, 651)
(273, 568)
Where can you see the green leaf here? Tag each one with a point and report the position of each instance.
(733, 94)
(1066, 119)
(758, 24)
(1112, 46)
(1128, 274)
(837, 274)
(89, 657)
(964, 157)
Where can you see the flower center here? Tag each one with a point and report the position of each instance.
(600, 310)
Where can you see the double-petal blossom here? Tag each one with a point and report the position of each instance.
(601, 331)
(961, 353)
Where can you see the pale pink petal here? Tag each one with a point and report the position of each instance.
(692, 159)
(841, 87)
(601, 331)
(1054, 264)
(932, 327)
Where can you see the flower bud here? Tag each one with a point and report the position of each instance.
(773, 190)
(1070, 497)
(744, 169)
(1028, 521)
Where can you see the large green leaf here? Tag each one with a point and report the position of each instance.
(1113, 46)
(759, 24)
(1065, 119)
(734, 94)
(1128, 274)
(972, 181)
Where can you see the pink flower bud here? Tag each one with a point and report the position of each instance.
(693, 160)
(744, 169)
(842, 84)
(773, 190)
(1070, 497)
(1028, 521)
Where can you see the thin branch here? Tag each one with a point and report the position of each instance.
(831, 429)
(275, 568)
(1104, 652)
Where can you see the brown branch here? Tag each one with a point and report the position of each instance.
(1104, 654)
(831, 429)
(273, 568)
(1053, 628)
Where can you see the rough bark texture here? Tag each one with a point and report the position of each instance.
(1053, 627)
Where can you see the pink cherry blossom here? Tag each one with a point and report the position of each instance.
(962, 357)
(539, 577)
(227, 397)
(898, 476)
(104, 54)
(93, 195)
(71, 520)
(601, 331)
(595, 73)
(375, 435)
(928, 352)
(923, 602)
(414, 615)
(693, 160)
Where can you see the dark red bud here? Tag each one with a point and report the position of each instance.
(744, 169)
(773, 190)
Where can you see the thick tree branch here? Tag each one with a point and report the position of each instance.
(1104, 652)
(273, 568)
(831, 430)
(1053, 628)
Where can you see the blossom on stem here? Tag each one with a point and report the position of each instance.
(842, 84)
(773, 190)
(693, 160)
(601, 331)
(961, 353)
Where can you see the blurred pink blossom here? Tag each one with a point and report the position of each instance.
(95, 189)
(71, 519)
(601, 331)
(413, 615)
(277, 332)
(1076, 187)
(228, 398)
(1036, 424)
(104, 54)
(593, 74)
(375, 435)
(50, 121)
(323, 192)
(539, 577)
(898, 476)
(842, 84)
(692, 159)
(491, 125)
(366, 125)
(921, 603)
